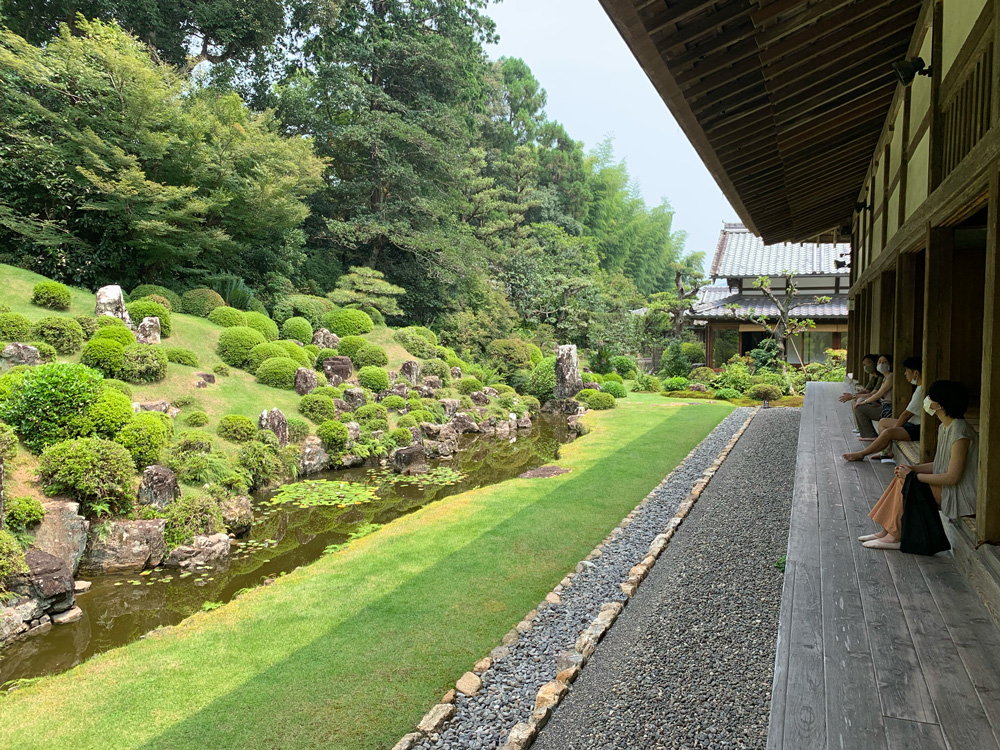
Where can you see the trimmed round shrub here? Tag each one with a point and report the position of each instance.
(180, 356)
(585, 394)
(8, 442)
(227, 317)
(509, 354)
(278, 372)
(297, 329)
(324, 354)
(328, 390)
(374, 425)
(97, 473)
(158, 299)
(45, 407)
(150, 290)
(263, 352)
(349, 346)
(600, 401)
(675, 384)
(221, 370)
(109, 413)
(145, 437)
(693, 352)
(22, 512)
(764, 392)
(201, 302)
(46, 352)
(317, 407)
(613, 377)
(4, 308)
(236, 343)
(542, 383)
(121, 386)
(298, 429)
(190, 516)
(236, 428)
(406, 420)
(616, 389)
(110, 321)
(373, 378)
(306, 306)
(296, 352)
(104, 354)
(394, 402)
(15, 327)
(196, 419)
(334, 435)
(702, 374)
(262, 464)
(465, 386)
(624, 365)
(401, 436)
(260, 322)
(724, 394)
(370, 355)
(437, 368)
(88, 323)
(51, 294)
(414, 343)
(146, 308)
(348, 322)
(144, 364)
(375, 314)
(371, 411)
(421, 415)
(121, 334)
(312, 350)
(65, 334)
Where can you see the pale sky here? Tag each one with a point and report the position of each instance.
(596, 88)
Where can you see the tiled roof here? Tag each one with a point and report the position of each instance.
(715, 306)
(740, 253)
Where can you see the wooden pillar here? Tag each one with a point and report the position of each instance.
(935, 172)
(886, 311)
(906, 323)
(988, 507)
(938, 286)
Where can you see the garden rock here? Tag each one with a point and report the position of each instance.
(208, 377)
(160, 406)
(479, 398)
(409, 461)
(491, 392)
(340, 367)
(62, 532)
(48, 581)
(305, 381)
(439, 448)
(562, 406)
(592, 386)
(201, 384)
(425, 391)
(18, 354)
(410, 371)
(148, 331)
(463, 424)
(524, 423)
(81, 587)
(202, 550)
(72, 614)
(451, 406)
(314, 457)
(353, 430)
(700, 387)
(456, 373)
(158, 487)
(111, 301)
(237, 513)
(350, 461)
(324, 339)
(275, 421)
(436, 717)
(469, 683)
(433, 382)
(568, 382)
(124, 546)
(355, 398)
(399, 389)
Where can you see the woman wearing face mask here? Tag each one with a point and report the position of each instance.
(906, 427)
(872, 407)
(874, 380)
(951, 477)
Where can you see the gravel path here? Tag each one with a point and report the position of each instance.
(509, 687)
(689, 663)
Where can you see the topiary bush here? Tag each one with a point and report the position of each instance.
(297, 329)
(263, 352)
(296, 352)
(117, 385)
(322, 355)
(201, 302)
(144, 364)
(227, 317)
(51, 294)
(675, 384)
(764, 392)
(702, 375)
(334, 436)
(260, 322)
(45, 406)
(508, 355)
(221, 370)
(406, 420)
(108, 414)
(10, 379)
(145, 437)
(180, 356)
(236, 343)
(600, 401)
(422, 415)
(542, 383)
(373, 378)
(196, 419)
(401, 436)
(394, 402)
(414, 343)
(65, 334)
(88, 323)
(349, 346)
(15, 327)
(348, 322)
(147, 290)
(436, 368)
(95, 472)
(146, 308)
(465, 386)
(371, 411)
(278, 372)
(624, 365)
(724, 394)
(306, 306)
(189, 516)
(617, 390)
(370, 355)
(298, 429)
(236, 428)
(104, 354)
(317, 408)
(21, 512)
(121, 334)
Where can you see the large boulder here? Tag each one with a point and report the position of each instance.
(568, 381)
(202, 550)
(338, 367)
(62, 532)
(409, 461)
(451, 406)
(49, 581)
(237, 512)
(355, 398)
(353, 431)
(397, 389)
(325, 340)
(124, 546)
(148, 331)
(433, 382)
(463, 424)
(563, 406)
(456, 373)
(479, 398)
(158, 487)
(111, 301)
(275, 421)
(18, 354)
(314, 457)
(410, 371)
(305, 381)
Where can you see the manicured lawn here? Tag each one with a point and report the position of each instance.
(350, 651)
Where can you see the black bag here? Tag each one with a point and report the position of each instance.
(921, 530)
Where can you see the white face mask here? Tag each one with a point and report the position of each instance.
(927, 406)
(883, 367)
(913, 382)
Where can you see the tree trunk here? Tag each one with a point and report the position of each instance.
(1, 492)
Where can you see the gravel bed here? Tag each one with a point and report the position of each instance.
(689, 663)
(509, 686)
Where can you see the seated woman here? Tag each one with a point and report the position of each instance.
(907, 426)
(873, 406)
(952, 475)
(869, 363)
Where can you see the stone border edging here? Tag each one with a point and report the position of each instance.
(569, 664)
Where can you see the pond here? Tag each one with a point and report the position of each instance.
(119, 609)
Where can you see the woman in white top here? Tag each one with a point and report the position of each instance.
(951, 476)
(906, 426)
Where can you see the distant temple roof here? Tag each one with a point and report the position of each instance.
(713, 304)
(740, 253)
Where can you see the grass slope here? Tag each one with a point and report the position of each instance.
(349, 652)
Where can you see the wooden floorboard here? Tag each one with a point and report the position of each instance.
(908, 735)
(804, 724)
